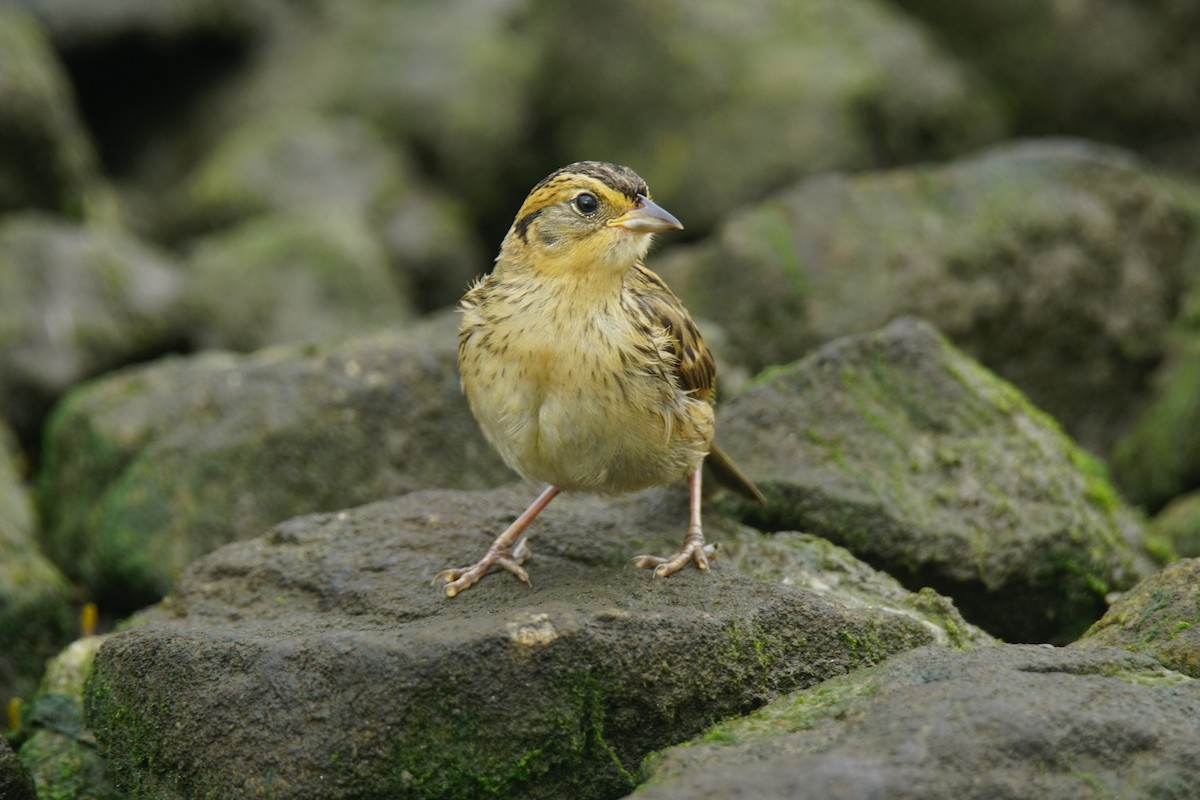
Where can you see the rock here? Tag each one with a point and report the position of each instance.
(34, 615)
(286, 279)
(314, 168)
(449, 79)
(319, 661)
(1123, 71)
(78, 23)
(148, 469)
(146, 77)
(898, 447)
(1177, 527)
(1056, 264)
(46, 160)
(1011, 721)
(14, 783)
(724, 103)
(60, 754)
(810, 562)
(76, 301)
(1160, 616)
(1159, 458)
(296, 164)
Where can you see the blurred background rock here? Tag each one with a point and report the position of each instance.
(300, 174)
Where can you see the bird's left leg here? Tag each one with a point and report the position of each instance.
(506, 551)
(694, 548)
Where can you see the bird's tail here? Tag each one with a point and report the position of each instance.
(730, 476)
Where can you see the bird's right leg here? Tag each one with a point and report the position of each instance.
(503, 553)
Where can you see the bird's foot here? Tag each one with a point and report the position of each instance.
(694, 549)
(497, 557)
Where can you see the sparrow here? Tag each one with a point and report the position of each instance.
(582, 368)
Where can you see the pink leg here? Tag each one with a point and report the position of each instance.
(502, 553)
(694, 548)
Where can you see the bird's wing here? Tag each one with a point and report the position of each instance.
(694, 368)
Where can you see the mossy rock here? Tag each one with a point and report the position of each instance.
(1176, 529)
(318, 661)
(75, 301)
(1059, 265)
(918, 460)
(1159, 458)
(282, 279)
(718, 104)
(46, 159)
(1123, 71)
(1008, 721)
(59, 753)
(34, 609)
(148, 469)
(1160, 617)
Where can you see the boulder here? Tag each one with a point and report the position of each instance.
(1177, 527)
(76, 301)
(149, 468)
(1057, 264)
(1010, 721)
(46, 159)
(285, 279)
(723, 103)
(899, 447)
(1158, 459)
(34, 610)
(1123, 70)
(318, 661)
(59, 753)
(1160, 616)
(14, 782)
(314, 168)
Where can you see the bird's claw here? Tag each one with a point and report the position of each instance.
(696, 551)
(458, 579)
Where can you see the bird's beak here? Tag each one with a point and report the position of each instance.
(647, 217)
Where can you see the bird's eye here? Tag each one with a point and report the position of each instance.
(587, 203)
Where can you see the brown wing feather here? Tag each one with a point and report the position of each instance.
(695, 367)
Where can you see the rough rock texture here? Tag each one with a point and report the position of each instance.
(150, 468)
(1002, 722)
(900, 448)
(1057, 264)
(46, 160)
(1160, 616)
(14, 783)
(733, 100)
(75, 301)
(60, 753)
(279, 280)
(319, 661)
(33, 593)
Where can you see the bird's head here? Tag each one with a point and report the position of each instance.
(588, 216)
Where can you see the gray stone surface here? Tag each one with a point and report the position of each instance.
(998, 722)
(318, 661)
